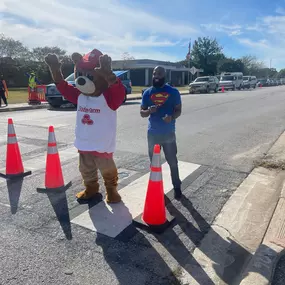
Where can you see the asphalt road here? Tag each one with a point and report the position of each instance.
(224, 133)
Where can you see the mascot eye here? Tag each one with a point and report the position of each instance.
(90, 77)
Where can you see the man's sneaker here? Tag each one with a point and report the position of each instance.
(177, 193)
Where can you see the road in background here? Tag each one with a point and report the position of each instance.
(224, 133)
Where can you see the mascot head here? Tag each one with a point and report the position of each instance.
(90, 72)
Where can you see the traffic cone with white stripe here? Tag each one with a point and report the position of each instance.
(14, 164)
(53, 178)
(155, 216)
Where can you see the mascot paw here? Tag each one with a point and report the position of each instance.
(88, 193)
(52, 61)
(105, 69)
(113, 197)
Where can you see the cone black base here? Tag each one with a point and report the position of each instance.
(15, 176)
(158, 229)
(55, 190)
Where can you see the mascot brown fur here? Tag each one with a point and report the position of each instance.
(98, 94)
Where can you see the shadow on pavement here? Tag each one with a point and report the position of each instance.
(69, 109)
(60, 207)
(131, 103)
(226, 270)
(14, 191)
(144, 260)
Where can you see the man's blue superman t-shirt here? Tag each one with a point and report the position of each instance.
(166, 98)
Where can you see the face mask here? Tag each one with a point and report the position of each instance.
(158, 82)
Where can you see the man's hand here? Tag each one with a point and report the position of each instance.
(105, 69)
(167, 119)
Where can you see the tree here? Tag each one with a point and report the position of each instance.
(12, 48)
(39, 53)
(230, 65)
(251, 65)
(281, 73)
(206, 54)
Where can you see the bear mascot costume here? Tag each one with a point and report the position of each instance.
(98, 94)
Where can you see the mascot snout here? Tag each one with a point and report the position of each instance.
(85, 85)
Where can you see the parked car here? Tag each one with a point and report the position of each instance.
(231, 80)
(204, 84)
(55, 99)
(249, 82)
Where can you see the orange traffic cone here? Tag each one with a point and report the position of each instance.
(14, 164)
(53, 178)
(154, 215)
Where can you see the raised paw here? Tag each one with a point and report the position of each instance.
(52, 61)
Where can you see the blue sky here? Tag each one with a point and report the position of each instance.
(153, 29)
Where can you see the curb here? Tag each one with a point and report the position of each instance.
(24, 108)
(261, 268)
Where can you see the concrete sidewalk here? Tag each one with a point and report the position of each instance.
(25, 106)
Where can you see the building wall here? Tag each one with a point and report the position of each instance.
(137, 77)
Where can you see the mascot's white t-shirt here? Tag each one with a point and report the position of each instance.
(96, 120)
(96, 125)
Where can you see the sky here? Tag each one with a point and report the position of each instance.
(154, 29)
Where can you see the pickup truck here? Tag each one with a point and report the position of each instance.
(55, 99)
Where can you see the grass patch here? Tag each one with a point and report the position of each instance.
(270, 164)
(18, 95)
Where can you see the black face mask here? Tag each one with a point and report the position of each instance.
(158, 82)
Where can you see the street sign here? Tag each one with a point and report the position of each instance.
(193, 70)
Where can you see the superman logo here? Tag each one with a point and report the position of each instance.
(159, 98)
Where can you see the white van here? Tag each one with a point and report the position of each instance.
(249, 82)
(231, 80)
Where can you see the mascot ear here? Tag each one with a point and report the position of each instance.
(76, 57)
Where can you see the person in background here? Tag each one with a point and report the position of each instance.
(162, 104)
(3, 91)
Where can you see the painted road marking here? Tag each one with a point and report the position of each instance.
(111, 220)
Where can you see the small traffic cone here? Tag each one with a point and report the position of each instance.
(223, 89)
(53, 179)
(14, 164)
(154, 215)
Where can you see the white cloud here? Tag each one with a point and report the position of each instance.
(254, 44)
(107, 25)
(230, 30)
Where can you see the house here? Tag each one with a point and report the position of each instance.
(140, 71)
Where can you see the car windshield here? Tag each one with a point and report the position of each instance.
(70, 77)
(245, 78)
(227, 78)
(202, 79)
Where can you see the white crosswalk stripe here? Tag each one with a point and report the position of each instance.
(112, 219)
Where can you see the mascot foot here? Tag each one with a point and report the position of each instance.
(88, 193)
(113, 196)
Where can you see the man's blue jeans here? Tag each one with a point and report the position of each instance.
(169, 146)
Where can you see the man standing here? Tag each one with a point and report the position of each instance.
(3, 90)
(162, 104)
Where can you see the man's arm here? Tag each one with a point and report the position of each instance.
(178, 105)
(145, 112)
(177, 111)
